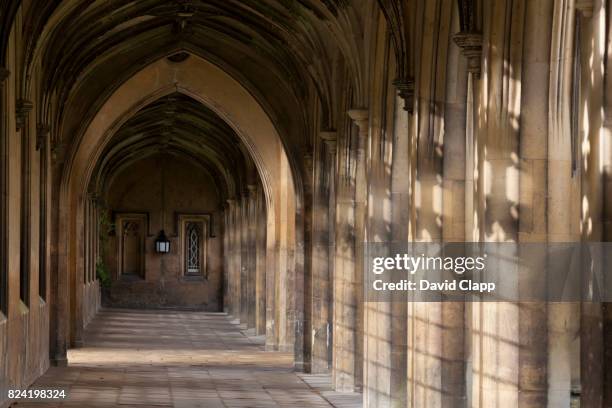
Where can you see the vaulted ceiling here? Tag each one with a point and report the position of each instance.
(286, 52)
(179, 125)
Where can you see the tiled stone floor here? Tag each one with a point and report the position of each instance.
(137, 358)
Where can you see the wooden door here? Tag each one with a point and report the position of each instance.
(132, 248)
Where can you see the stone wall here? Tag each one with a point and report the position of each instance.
(91, 301)
(187, 189)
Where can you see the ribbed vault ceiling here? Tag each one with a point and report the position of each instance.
(179, 125)
(286, 52)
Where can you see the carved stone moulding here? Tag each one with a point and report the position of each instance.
(22, 109)
(360, 116)
(471, 48)
(405, 90)
(329, 137)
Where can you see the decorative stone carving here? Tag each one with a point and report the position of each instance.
(95, 199)
(469, 39)
(42, 132)
(405, 89)
(471, 48)
(360, 117)
(329, 138)
(22, 109)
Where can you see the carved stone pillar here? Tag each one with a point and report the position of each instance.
(331, 146)
(321, 273)
(348, 311)
(260, 289)
(405, 89)
(227, 228)
(304, 329)
(471, 48)
(251, 255)
(243, 235)
(360, 118)
(59, 279)
(234, 259)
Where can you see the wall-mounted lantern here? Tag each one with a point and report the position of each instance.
(162, 244)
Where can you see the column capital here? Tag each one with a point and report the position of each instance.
(471, 48)
(252, 188)
(22, 110)
(94, 197)
(308, 159)
(360, 117)
(42, 132)
(405, 90)
(4, 74)
(328, 135)
(329, 138)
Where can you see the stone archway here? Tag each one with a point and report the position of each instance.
(210, 85)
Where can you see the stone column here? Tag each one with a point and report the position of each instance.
(350, 211)
(360, 118)
(593, 45)
(331, 261)
(533, 152)
(4, 74)
(227, 230)
(607, 223)
(234, 258)
(496, 347)
(243, 231)
(304, 329)
(251, 256)
(260, 289)
(462, 62)
(60, 295)
(320, 255)
(400, 215)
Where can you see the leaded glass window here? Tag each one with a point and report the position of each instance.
(193, 240)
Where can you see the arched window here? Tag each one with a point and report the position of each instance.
(193, 240)
(193, 231)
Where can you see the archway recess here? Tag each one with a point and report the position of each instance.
(208, 84)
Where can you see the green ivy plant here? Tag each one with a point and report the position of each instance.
(105, 227)
(102, 273)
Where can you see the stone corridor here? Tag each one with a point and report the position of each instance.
(139, 358)
(243, 159)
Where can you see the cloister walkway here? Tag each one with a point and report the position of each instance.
(138, 358)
